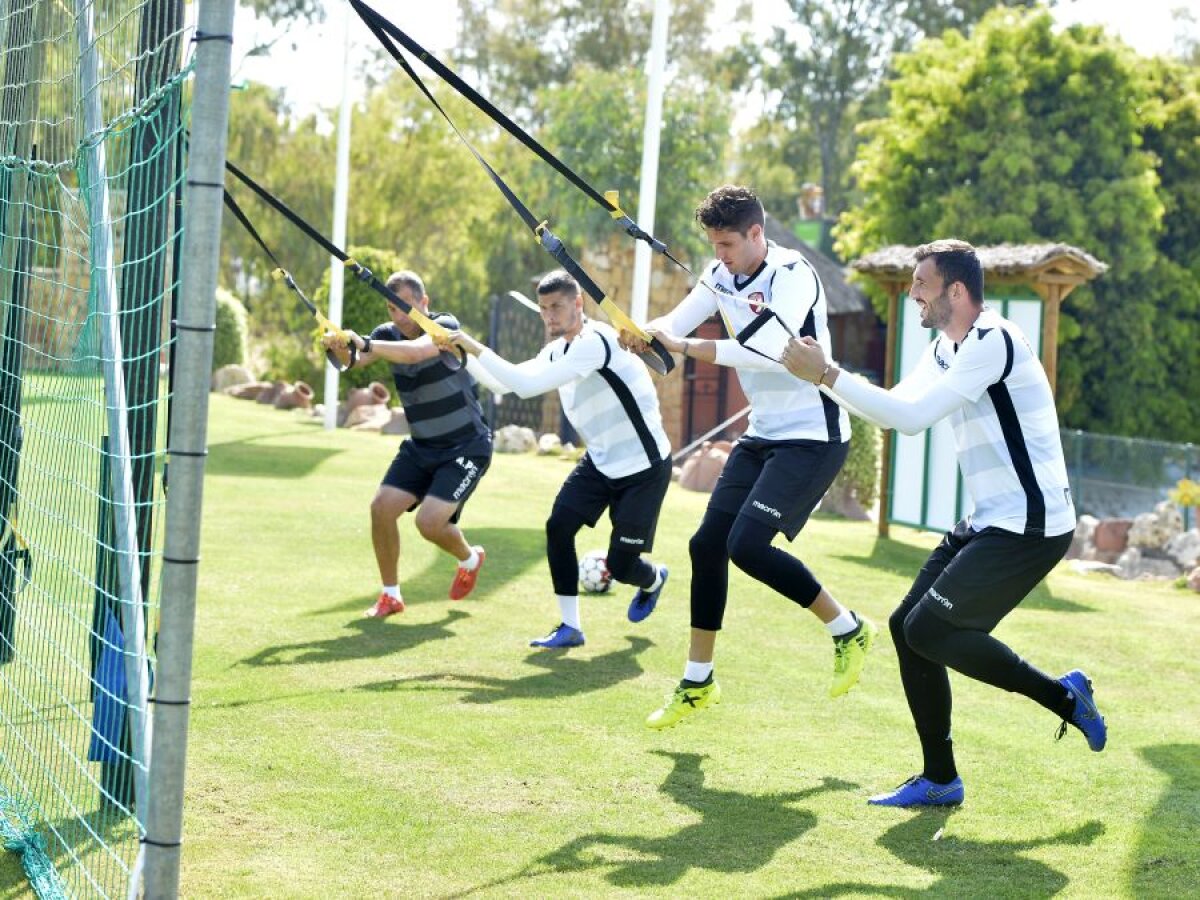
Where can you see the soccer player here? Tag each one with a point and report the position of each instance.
(981, 373)
(609, 399)
(781, 467)
(448, 449)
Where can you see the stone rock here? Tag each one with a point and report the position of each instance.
(369, 418)
(1184, 549)
(548, 443)
(249, 391)
(230, 376)
(398, 424)
(1091, 554)
(702, 469)
(1129, 563)
(1087, 567)
(1193, 579)
(1084, 529)
(1156, 528)
(295, 396)
(1112, 535)
(514, 439)
(842, 501)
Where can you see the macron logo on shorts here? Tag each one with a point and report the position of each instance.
(472, 473)
(629, 540)
(767, 509)
(940, 599)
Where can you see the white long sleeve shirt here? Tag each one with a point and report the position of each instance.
(606, 393)
(782, 407)
(995, 392)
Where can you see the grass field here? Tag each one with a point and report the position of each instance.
(435, 755)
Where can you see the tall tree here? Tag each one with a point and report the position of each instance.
(1025, 133)
(515, 47)
(825, 68)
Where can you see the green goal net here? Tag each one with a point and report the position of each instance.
(92, 126)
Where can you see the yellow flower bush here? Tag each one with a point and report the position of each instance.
(1186, 492)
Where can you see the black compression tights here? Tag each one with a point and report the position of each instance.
(926, 645)
(626, 566)
(723, 537)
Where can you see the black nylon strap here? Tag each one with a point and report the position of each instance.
(382, 28)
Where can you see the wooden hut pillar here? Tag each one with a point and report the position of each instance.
(893, 289)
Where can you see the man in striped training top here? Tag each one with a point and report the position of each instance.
(609, 399)
(981, 373)
(781, 467)
(448, 449)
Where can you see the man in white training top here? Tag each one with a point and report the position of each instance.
(609, 399)
(981, 373)
(781, 467)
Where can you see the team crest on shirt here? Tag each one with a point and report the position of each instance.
(757, 302)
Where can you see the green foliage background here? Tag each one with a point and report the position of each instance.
(1023, 133)
(229, 340)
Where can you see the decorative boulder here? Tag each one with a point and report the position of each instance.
(369, 418)
(1085, 528)
(702, 469)
(1184, 549)
(514, 439)
(1157, 528)
(398, 424)
(548, 443)
(1112, 535)
(1193, 580)
(230, 376)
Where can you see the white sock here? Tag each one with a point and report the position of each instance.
(568, 608)
(658, 577)
(392, 590)
(843, 624)
(471, 563)
(697, 671)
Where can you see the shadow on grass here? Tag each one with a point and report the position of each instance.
(963, 868)
(511, 552)
(737, 833)
(564, 676)
(247, 459)
(362, 639)
(904, 560)
(1167, 861)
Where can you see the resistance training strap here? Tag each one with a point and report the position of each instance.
(607, 200)
(657, 358)
(426, 324)
(339, 359)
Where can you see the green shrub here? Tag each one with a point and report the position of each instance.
(860, 475)
(229, 340)
(362, 309)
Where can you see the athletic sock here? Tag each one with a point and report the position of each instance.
(939, 760)
(471, 563)
(568, 608)
(844, 624)
(392, 590)
(658, 578)
(697, 672)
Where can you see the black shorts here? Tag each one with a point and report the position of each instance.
(448, 473)
(778, 483)
(633, 502)
(973, 579)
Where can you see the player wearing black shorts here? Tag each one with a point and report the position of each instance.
(779, 470)
(440, 464)
(982, 375)
(609, 399)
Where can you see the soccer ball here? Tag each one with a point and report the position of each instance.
(593, 572)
